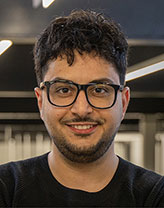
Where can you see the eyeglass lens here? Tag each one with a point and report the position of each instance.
(99, 95)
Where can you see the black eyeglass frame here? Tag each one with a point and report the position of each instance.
(80, 87)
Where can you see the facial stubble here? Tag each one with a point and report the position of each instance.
(83, 154)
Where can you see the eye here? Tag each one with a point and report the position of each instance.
(63, 90)
(100, 90)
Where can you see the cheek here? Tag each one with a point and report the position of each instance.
(113, 116)
(52, 115)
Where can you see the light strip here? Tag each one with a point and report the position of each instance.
(4, 45)
(145, 71)
(47, 3)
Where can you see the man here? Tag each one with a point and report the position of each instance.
(80, 63)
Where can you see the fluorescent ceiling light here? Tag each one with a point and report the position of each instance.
(47, 3)
(4, 45)
(145, 70)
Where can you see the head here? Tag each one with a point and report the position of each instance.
(84, 32)
(82, 47)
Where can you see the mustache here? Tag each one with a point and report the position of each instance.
(86, 119)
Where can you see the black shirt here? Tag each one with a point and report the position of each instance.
(29, 183)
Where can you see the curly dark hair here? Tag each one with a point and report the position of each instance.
(85, 32)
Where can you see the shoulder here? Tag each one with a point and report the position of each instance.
(18, 167)
(138, 174)
(12, 172)
(16, 176)
(145, 184)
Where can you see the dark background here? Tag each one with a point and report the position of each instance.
(142, 22)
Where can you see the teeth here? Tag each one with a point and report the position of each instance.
(82, 126)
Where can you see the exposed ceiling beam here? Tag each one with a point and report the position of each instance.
(30, 39)
(146, 63)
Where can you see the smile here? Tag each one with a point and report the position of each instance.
(83, 128)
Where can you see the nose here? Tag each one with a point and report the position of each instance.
(81, 107)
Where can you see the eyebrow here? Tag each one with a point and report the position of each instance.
(60, 78)
(106, 80)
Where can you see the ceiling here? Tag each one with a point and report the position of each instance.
(142, 22)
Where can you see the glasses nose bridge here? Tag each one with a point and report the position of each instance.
(83, 88)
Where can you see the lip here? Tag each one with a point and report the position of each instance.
(82, 131)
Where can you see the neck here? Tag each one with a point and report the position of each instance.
(91, 177)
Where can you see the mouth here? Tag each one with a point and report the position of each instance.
(83, 128)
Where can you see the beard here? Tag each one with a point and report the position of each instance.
(82, 154)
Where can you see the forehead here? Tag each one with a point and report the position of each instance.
(84, 69)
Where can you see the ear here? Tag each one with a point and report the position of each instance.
(38, 94)
(125, 100)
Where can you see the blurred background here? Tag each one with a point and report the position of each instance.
(141, 135)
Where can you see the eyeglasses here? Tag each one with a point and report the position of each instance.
(63, 93)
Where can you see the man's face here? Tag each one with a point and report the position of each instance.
(81, 132)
